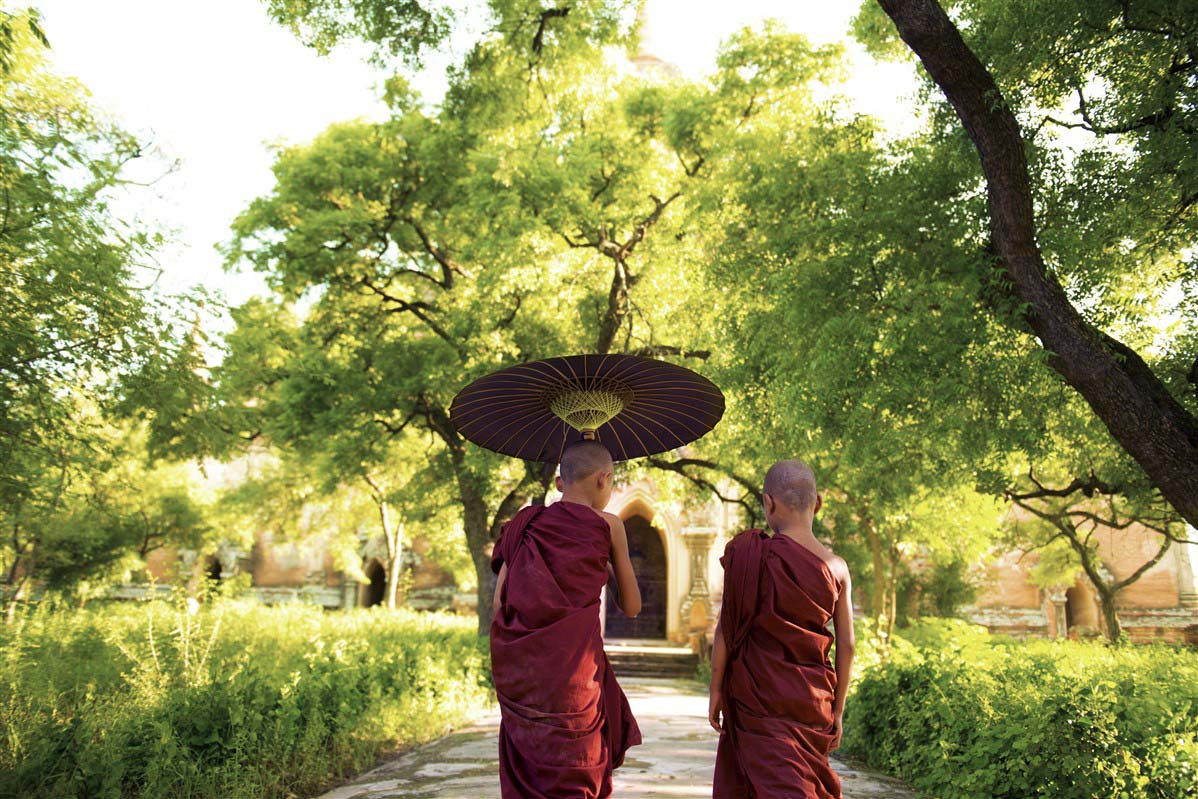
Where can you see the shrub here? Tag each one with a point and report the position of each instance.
(231, 700)
(973, 716)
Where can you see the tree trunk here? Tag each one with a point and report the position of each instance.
(394, 564)
(879, 599)
(1110, 616)
(480, 528)
(477, 529)
(392, 537)
(617, 307)
(891, 592)
(1141, 414)
(14, 600)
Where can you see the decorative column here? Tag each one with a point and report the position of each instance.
(1058, 620)
(1187, 589)
(696, 606)
(228, 555)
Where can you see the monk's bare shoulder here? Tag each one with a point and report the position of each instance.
(614, 523)
(838, 566)
(612, 519)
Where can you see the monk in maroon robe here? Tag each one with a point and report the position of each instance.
(565, 722)
(776, 700)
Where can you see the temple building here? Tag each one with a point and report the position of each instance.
(1161, 606)
(675, 552)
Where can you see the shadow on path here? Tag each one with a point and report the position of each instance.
(676, 760)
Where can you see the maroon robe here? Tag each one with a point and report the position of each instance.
(778, 684)
(565, 721)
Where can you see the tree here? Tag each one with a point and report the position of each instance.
(1082, 490)
(1153, 423)
(120, 508)
(852, 293)
(368, 215)
(431, 266)
(1077, 514)
(405, 29)
(76, 316)
(12, 27)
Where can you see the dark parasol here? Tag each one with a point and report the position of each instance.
(635, 406)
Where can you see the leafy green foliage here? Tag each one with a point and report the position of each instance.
(12, 25)
(859, 339)
(77, 319)
(407, 28)
(969, 715)
(231, 701)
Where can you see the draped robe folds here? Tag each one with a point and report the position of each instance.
(779, 685)
(565, 722)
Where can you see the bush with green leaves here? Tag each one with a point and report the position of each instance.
(228, 700)
(967, 715)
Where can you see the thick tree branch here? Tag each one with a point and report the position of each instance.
(1123, 391)
(750, 500)
(448, 266)
(393, 429)
(536, 476)
(1125, 16)
(1089, 487)
(666, 350)
(418, 308)
(1145, 566)
(538, 40)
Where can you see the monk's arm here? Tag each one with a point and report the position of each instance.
(719, 661)
(842, 622)
(495, 603)
(719, 655)
(629, 598)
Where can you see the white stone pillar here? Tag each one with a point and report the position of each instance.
(698, 546)
(1060, 622)
(1187, 587)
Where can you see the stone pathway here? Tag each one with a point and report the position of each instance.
(676, 761)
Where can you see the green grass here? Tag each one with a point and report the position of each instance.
(231, 700)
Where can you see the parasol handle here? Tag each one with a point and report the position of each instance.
(588, 435)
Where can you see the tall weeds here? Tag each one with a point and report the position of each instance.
(230, 700)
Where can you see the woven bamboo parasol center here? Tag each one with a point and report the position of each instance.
(587, 409)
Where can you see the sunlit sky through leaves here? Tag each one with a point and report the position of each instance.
(212, 85)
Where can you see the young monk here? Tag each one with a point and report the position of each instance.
(565, 721)
(775, 699)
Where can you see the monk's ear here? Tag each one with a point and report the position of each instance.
(819, 503)
(557, 483)
(767, 503)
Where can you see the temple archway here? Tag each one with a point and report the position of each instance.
(1081, 609)
(646, 548)
(375, 591)
(213, 569)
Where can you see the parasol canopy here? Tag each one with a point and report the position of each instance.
(635, 406)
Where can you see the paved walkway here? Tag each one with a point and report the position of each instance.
(676, 760)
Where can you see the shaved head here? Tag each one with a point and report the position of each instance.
(792, 483)
(583, 459)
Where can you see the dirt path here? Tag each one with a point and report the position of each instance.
(675, 762)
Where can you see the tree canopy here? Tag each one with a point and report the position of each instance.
(929, 328)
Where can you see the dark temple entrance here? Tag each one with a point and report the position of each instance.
(373, 593)
(648, 556)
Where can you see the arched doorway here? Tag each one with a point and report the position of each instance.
(648, 555)
(374, 591)
(213, 569)
(1081, 609)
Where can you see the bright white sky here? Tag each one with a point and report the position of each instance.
(215, 83)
